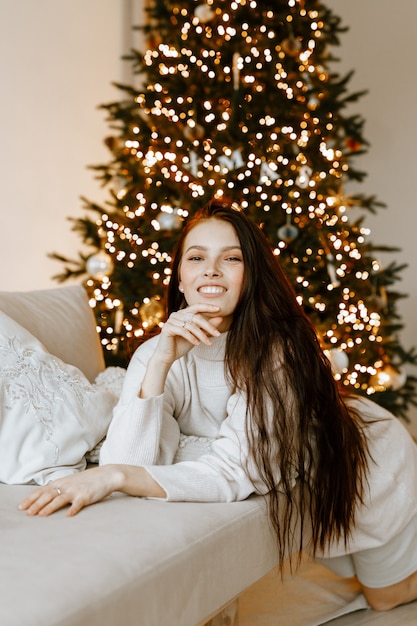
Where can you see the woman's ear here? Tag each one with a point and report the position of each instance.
(180, 288)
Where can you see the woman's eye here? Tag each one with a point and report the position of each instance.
(233, 258)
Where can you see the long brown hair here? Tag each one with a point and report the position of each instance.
(298, 425)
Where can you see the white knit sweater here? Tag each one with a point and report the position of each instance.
(198, 401)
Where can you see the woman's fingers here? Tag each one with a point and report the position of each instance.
(194, 322)
(44, 501)
(187, 328)
(203, 328)
(78, 490)
(194, 331)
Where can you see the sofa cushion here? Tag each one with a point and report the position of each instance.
(50, 414)
(63, 321)
(129, 561)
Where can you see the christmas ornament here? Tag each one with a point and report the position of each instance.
(118, 319)
(193, 165)
(331, 270)
(120, 185)
(151, 312)
(378, 300)
(353, 144)
(313, 102)
(291, 46)
(193, 132)
(267, 172)
(169, 220)
(322, 73)
(204, 13)
(388, 377)
(114, 143)
(288, 232)
(237, 65)
(339, 360)
(232, 161)
(303, 178)
(99, 265)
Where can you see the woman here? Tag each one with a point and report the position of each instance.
(238, 361)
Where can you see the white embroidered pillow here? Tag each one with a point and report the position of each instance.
(191, 447)
(50, 414)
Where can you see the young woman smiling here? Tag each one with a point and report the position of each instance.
(238, 362)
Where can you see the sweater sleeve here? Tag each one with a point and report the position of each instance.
(223, 475)
(145, 432)
(142, 431)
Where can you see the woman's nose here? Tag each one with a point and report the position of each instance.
(210, 272)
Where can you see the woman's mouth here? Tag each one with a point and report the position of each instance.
(211, 289)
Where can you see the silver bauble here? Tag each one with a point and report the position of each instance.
(169, 221)
(287, 233)
(99, 265)
(204, 13)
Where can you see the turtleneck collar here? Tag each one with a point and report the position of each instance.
(215, 352)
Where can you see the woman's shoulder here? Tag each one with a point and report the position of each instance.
(382, 426)
(367, 408)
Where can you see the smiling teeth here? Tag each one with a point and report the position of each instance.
(211, 289)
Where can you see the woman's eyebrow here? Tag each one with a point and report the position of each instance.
(224, 249)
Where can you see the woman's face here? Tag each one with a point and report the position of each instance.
(211, 268)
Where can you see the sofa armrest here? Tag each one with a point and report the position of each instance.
(63, 321)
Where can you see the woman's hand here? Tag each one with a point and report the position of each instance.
(187, 328)
(78, 490)
(182, 330)
(92, 485)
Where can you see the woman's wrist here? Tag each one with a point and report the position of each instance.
(154, 380)
(117, 477)
(159, 363)
(135, 481)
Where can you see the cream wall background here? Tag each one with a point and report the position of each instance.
(57, 63)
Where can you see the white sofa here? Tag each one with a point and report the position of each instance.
(125, 561)
(136, 562)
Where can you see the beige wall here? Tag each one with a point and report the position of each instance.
(57, 62)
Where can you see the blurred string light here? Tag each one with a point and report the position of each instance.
(229, 159)
(189, 142)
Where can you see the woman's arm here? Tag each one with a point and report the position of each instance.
(144, 430)
(92, 485)
(219, 476)
(182, 330)
(224, 475)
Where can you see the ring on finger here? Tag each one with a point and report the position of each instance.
(184, 324)
(58, 490)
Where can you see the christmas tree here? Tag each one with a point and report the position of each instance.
(239, 98)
